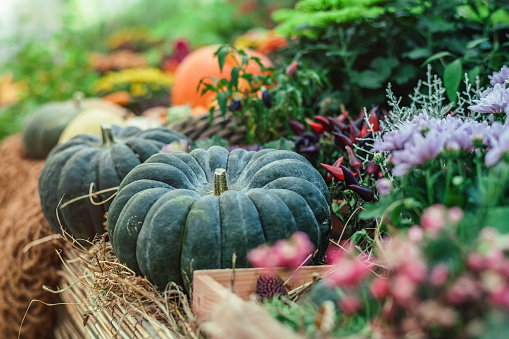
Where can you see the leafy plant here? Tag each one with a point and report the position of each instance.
(269, 100)
(360, 51)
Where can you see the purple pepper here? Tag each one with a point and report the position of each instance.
(365, 193)
(266, 99)
(235, 105)
(349, 178)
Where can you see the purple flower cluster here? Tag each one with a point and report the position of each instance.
(499, 77)
(493, 100)
(497, 139)
(423, 139)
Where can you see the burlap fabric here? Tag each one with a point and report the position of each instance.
(25, 269)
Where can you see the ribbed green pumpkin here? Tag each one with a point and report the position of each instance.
(71, 168)
(171, 215)
(44, 127)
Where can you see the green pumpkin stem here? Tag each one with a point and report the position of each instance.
(220, 181)
(107, 134)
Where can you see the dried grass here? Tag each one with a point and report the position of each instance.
(120, 303)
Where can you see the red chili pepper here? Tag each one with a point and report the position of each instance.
(336, 163)
(324, 122)
(373, 120)
(364, 132)
(316, 127)
(296, 127)
(365, 193)
(291, 69)
(354, 132)
(353, 160)
(349, 177)
(342, 117)
(372, 168)
(336, 172)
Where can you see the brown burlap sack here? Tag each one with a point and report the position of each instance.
(25, 269)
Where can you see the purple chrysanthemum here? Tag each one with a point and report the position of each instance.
(423, 139)
(497, 138)
(494, 101)
(499, 77)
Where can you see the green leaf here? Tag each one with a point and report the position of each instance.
(495, 218)
(373, 211)
(281, 144)
(473, 73)
(234, 80)
(452, 78)
(280, 98)
(417, 53)
(245, 59)
(476, 42)
(368, 79)
(435, 56)
(358, 236)
(222, 100)
(221, 53)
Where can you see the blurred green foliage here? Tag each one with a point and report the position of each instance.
(363, 45)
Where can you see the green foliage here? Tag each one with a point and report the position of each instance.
(361, 51)
(287, 96)
(49, 73)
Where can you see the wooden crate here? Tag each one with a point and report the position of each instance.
(211, 287)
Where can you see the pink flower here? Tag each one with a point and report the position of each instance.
(290, 253)
(349, 271)
(500, 297)
(415, 233)
(433, 218)
(476, 261)
(350, 304)
(439, 274)
(294, 251)
(262, 257)
(402, 289)
(455, 215)
(464, 288)
(379, 287)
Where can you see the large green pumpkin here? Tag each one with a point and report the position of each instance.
(44, 127)
(90, 163)
(174, 214)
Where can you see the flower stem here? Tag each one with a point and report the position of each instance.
(429, 187)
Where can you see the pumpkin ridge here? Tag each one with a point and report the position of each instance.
(158, 172)
(288, 168)
(149, 243)
(124, 195)
(300, 210)
(124, 159)
(142, 147)
(72, 214)
(97, 213)
(271, 212)
(128, 222)
(171, 160)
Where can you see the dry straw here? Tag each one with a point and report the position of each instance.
(106, 299)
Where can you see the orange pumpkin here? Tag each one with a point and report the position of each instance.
(202, 63)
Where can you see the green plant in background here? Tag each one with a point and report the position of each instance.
(269, 100)
(360, 52)
(49, 73)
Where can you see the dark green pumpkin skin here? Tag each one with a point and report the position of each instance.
(166, 222)
(42, 130)
(72, 167)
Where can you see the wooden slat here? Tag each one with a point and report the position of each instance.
(210, 287)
